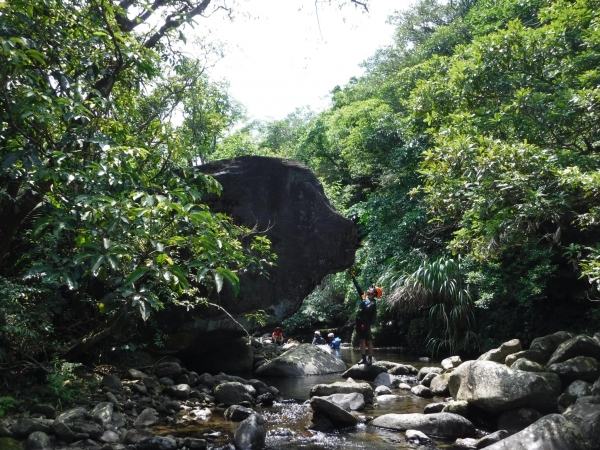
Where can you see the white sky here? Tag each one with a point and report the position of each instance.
(276, 59)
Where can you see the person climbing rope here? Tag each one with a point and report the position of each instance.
(365, 317)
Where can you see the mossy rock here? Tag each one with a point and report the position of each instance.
(7, 443)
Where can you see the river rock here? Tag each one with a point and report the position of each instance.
(492, 438)
(102, 413)
(421, 391)
(459, 407)
(73, 415)
(382, 390)
(93, 430)
(578, 389)
(25, 426)
(109, 437)
(38, 440)
(386, 398)
(531, 355)
(425, 370)
(339, 417)
(250, 433)
(553, 431)
(439, 385)
(302, 360)
(417, 437)
(596, 387)
(195, 444)
(548, 344)
(63, 431)
(399, 369)
(499, 354)
(386, 379)
(157, 443)
(527, 366)
(585, 413)
(365, 372)
(147, 418)
(262, 387)
(443, 425)
(434, 408)
(285, 201)
(495, 388)
(578, 368)
(167, 369)
(518, 419)
(350, 402)
(234, 393)
(180, 391)
(48, 411)
(426, 381)
(451, 362)
(237, 413)
(469, 443)
(112, 382)
(581, 345)
(340, 387)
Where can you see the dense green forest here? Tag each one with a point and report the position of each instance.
(468, 155)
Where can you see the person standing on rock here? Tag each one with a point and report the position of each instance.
(365, 317)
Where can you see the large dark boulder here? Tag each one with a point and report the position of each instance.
(284, 200)
(495, 388)
(550, 432)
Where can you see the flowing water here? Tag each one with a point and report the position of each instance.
(288, 420)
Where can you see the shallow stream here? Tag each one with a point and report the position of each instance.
(288, 420)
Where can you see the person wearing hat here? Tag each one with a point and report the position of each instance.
(318, 340)
(334, 342)
(277, 336)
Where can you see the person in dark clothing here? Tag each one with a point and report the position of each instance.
(365, 317)
(318, 340)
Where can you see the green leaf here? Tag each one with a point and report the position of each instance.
(230, 277)
(136, 275)
(181, 275)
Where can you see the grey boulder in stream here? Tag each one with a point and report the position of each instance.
(303, 360)
(444, 425)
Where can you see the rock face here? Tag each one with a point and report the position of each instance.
(323, 390)
(349, 402)
(364, 372)
(284, 199)
(302, 360)
(550, 432)
(495, 388)
(578, 368)
(250, 433)
(440, 424)
(581, 345)
(339, 417)
(499, 354)
(585, 413)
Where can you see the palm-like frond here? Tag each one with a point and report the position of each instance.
(440, 286)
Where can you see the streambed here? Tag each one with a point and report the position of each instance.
(288, 420)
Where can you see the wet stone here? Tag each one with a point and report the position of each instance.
(112, 382)
(38, 440)
(165, 381)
